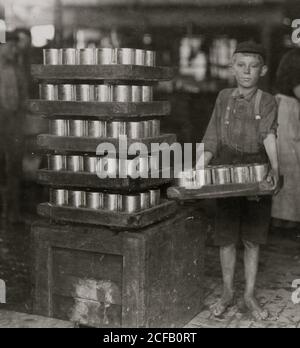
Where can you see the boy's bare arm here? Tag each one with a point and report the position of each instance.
(204, 159)
(271, 149)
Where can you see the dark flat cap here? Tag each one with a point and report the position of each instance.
(251, 47)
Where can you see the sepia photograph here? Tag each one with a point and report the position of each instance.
(150, 166)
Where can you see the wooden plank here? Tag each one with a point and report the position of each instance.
(85, 144)
(106, 218)
(220, 191)
(87, 264)
(86, 312)
(16, 320)
(102, 291)
(100, 110)
(96, 73)
(89, 180)
(134, 282)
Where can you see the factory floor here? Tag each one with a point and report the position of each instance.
(279, 267)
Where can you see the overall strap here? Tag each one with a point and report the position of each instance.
(258, 97)
(229, 107)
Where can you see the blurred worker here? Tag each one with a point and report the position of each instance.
(286, 205)
(12, 98)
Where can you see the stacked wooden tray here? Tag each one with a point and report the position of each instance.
(83, 145)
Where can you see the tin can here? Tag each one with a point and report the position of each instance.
(221, 175)
(97, 129)
(132, 203)
(120, 203)
(58, 197)
(90, 164)
(150, 58)
(115, 129)
(258, 172)
(140, 57)
(111, 202)
(93, 200)
(66, 92)
(154, 165)
(105, 56)
(101, 200)
(147, 129)
(77, 128)
(56, 162)
(68, 56)
(147, 94)
(51, 56)
(137, 94)
(154, 197)
(59, 127)
(187, 179)
(75, 163)
(77, 199)
(145, 200)
(154, 128)
(144, 167)
(87, 56)
(125, 56)
(135, 130)
(103, 93)
(240, 174)
(122, 94)
(203, 177)
(123, 168)
(111, 166)
(133, 168)
(48, 92)
(85, 93)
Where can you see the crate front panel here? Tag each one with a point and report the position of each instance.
(87, 287)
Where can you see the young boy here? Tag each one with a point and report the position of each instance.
(243, 130)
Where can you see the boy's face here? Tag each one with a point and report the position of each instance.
(247, 69)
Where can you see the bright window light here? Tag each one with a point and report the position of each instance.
(41, 34)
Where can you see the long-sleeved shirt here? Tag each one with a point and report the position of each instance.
(239, 128)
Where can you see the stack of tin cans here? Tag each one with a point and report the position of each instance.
(112, 167)
(103, 56)
(114, 202)
(96, 93)
(221, 175)
(103, 129)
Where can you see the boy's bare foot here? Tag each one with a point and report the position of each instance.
(226, 301)
(256, 310)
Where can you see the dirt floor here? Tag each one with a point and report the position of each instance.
(279, 267)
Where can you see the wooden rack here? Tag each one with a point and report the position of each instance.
(107, 111)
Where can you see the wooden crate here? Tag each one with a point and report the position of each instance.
(100, 278)
(120, 220)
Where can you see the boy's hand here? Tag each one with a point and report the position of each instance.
(273, 179)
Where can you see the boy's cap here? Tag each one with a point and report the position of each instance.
(251, 47)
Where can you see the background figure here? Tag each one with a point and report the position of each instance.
(12, 98)
(286, 205)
